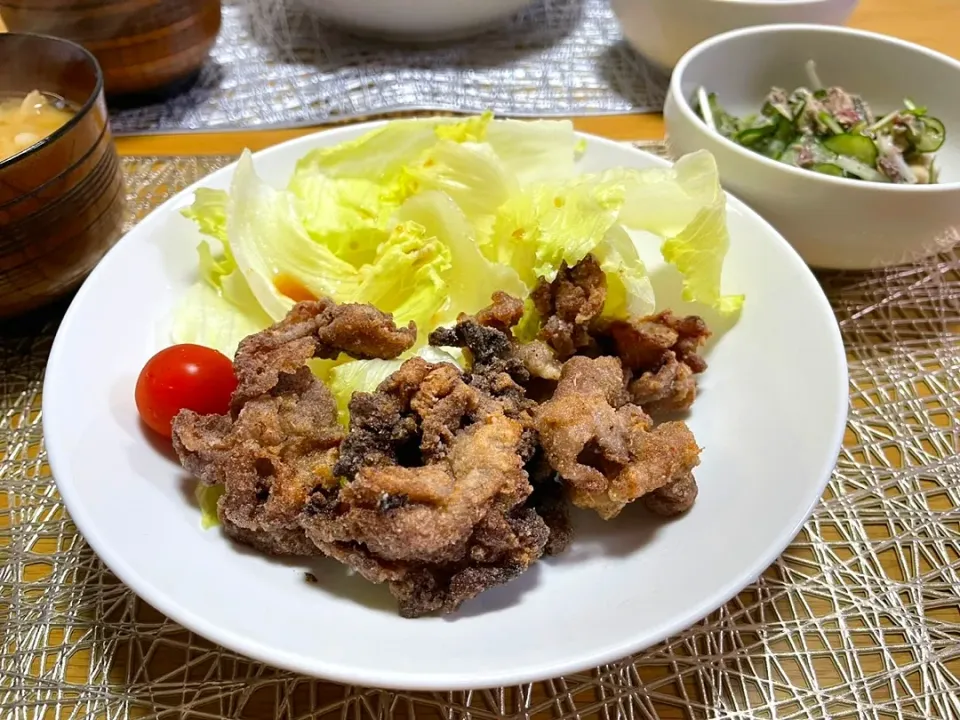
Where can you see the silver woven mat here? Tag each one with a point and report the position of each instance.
(275, 65)
(858, 619)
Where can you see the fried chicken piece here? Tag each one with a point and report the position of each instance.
(604, 448)
(500, 364)
(549, 500)
(671, 388)
(279, 444)
(494, 368)
(501, 550)
(315, 329)
(434, 503)
(569, 305)
(427, 513)
(661, 352)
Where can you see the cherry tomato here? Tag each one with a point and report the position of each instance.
(183, 377)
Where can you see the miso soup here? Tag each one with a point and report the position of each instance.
(25, 121)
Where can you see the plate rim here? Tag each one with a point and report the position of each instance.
(314, 666)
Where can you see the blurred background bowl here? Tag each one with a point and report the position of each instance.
(663, 30)
(415, 20)
(832, 222)
(143, 46)
(62, 199)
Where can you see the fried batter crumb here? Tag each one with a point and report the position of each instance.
(661, 353)
(314, 329)
(675, 498)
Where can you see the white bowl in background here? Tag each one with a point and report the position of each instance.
(663, 30)
(415, 20)
(832, 222)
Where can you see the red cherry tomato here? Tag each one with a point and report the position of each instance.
(183, 377)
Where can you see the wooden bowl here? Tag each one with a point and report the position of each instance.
(143, 46)
(62, 200)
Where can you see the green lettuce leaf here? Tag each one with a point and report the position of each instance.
(407, 276)
(209, 212)
(471, 174)
(471, 278)
(267, 239)
(378, 155)
(428, 218)
(349, 216)
(547, 224)
(686, 207)
(206, 317)
(207, 498)
(535, 151)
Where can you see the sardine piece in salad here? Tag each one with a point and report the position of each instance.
(834, 132)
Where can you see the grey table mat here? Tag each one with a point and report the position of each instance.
(275, 65)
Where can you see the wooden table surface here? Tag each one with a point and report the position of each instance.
(934, 23)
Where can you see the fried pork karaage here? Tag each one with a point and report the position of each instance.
(605, 448)
(659, 353)
(434, 502)
(281, 439)
(426, 491)
(448, 481)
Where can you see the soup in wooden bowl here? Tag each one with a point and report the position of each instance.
(62, 200)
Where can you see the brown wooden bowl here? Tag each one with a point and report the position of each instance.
(143, 46)
(62, 200)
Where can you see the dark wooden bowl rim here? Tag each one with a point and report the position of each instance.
(78, 116)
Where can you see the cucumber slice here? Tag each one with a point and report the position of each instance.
(859, 147)
(828, 169)
(932, 136)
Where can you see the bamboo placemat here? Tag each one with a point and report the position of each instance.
(860, 618)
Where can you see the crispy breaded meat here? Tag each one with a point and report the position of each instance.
(495, 370)
(661, 354)
(674, 498)
(569, 305)
(315, 329)
(503, 313)
(280, 442)
(604, 448)
(449, 482)
(435, 492)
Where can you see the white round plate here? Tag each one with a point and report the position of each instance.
(770, 419)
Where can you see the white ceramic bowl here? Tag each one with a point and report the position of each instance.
(412, 20)
(832, 222)
(663, 30)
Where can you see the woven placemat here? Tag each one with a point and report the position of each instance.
(276, 65)
(858, 619)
